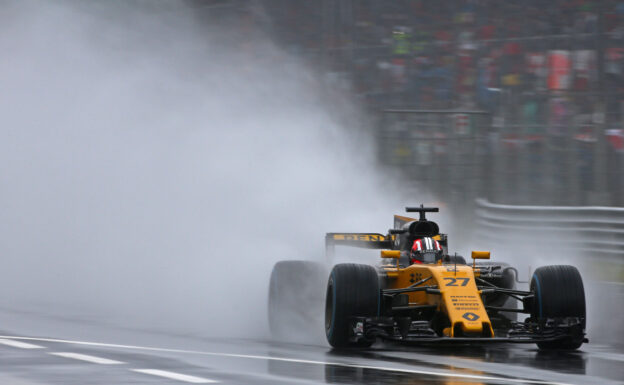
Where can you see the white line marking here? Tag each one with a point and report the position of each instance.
(175, 376)
(18, 344)
(84, 357)
(284, 359)
(609, 356)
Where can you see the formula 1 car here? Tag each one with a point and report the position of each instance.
(442, 300)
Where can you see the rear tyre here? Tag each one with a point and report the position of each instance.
(295, 303)
(352, 290)
(455, 259)
(506, 280)
(559, 293)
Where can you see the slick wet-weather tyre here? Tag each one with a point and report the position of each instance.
(295, 305)
(352, 290)
(559, 293)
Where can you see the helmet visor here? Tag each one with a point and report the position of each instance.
(429, 256)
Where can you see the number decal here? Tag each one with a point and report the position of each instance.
(453, 281)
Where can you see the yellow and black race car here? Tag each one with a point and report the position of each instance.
(420, 293)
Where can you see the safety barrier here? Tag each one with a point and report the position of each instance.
(598, 231)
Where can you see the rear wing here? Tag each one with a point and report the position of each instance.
(400, 220)
(361, 240)
(400, 237)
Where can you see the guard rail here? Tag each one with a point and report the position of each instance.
(596, 230)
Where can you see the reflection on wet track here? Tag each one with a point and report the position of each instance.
(98, 354)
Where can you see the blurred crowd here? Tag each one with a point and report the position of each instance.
(549, 73)
(479, 53)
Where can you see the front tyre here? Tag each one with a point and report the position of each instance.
(559, 295)
(352, 291)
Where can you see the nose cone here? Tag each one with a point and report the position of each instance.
(462, 301)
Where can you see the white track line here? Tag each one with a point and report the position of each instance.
(175, 376)
(84, 357)
(609, 356)
(18, 344)
(448, 374)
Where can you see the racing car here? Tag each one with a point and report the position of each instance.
(435, 297)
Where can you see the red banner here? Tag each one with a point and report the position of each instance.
(558, 70)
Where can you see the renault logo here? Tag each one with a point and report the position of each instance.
(470, 316)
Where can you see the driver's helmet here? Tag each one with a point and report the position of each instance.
(425, 250)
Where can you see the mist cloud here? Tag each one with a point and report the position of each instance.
(153, 172)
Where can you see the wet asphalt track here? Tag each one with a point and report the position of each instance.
(40, 349)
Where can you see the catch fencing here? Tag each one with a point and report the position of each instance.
(594, 230)
(462, 155)
(442, 151)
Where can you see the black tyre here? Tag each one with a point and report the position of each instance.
(352, 290)
(506, 280)
(454, 259)
(296, 298)
(559, 293)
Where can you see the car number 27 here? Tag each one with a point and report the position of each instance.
(457, 281)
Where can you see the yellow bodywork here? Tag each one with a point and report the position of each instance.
(390, 254)
(459, 297)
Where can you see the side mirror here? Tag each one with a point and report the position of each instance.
(479, 255)
(391, 254)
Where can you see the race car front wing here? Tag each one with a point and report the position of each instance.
(401, 329)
